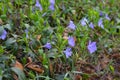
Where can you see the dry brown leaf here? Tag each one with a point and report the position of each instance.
(38, 37)
(78, 77)
(88, 68)
(82, 65)
(75, 39)
(103, 62)
(81, 62)
(35, 68)
(19, 65)
(65, 35)
(116, 56)
(109, 77)
(15, 76)
(1, 22)
(51, 69)
(29, 61)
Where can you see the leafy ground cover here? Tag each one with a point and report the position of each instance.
(59, 40)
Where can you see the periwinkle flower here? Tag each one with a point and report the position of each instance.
(107, 17)
(71, 25)
(3, 35)
(68, 52)
(51, 7)
(71, 41)
(100, 23)
(101, 14)
(92, 47)
(38, 5)
(48, 46)
(84, 22)
(52, 3)
(91, 25)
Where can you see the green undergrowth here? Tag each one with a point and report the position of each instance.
(44, 26)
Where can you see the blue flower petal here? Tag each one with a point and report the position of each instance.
(3, 35)
(71, 25)
(84, 21)
(38, 5)
(107, 17)
(71, 41)
(100, 23)
(91, 25)
(48, 46)
(92, 47)
(68, 52)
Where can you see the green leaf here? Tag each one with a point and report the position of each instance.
(3, 17)
(27, 26)
(66, 78)
(8, 27)
(3, 58)
(21, 75)
(111, 68)
(10, 41)
(31, 74)
(59, 77)
(1, 50)
(1, 29)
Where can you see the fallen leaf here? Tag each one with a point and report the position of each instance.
(83, 66)
(35, 68)
(116, 56)
(78, 77)
(15, 76)
(38, 37)
(19, 65)
(103, 62)
(1, 22)
(29, 61)
(109, 77)
(65, 35)
(51, 69)
(88, 68)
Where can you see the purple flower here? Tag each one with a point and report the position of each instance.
(38, 5)
(51, 7)
(91, 25)
(71, 41)
(48, 46)
(92, 47)
(71, 25)
(68, 52)
(101, 14)
(100, 23)
(3, 35)
(26, 31)
(52, 3)
(107, 17)
(84, 21)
